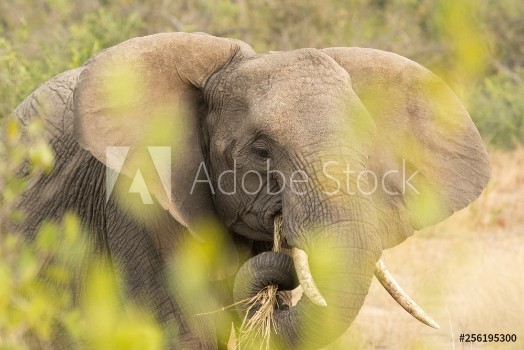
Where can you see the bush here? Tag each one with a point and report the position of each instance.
(49, 38)
(497, 109)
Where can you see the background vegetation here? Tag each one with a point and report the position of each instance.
(477, 46)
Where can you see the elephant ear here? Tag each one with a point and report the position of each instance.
(428, 157)
(138, 108)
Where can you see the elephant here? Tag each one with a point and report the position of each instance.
(355, 149)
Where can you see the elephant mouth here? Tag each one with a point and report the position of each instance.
(243, 229)
(252, 226)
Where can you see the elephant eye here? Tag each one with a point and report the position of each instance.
(261, 152)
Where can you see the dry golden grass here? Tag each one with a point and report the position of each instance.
(466, 272)
(259, 326)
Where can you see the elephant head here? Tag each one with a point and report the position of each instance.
(325, 138)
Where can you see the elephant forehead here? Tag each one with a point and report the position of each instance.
(291, 89)
(302, 70)
(300, 108)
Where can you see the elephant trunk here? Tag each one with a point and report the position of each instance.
(342, 255)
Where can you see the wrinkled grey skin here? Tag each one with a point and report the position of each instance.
(296, 110)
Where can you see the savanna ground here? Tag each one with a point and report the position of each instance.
(465, 272)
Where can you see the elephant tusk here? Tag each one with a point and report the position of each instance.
(305, 278)
(388, 282)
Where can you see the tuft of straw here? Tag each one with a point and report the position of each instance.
(259, 326)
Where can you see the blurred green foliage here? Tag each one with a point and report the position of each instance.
(476, 46)
(57, 289)
(498, 108)
(38, 306)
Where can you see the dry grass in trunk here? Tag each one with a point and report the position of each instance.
(258, 327)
